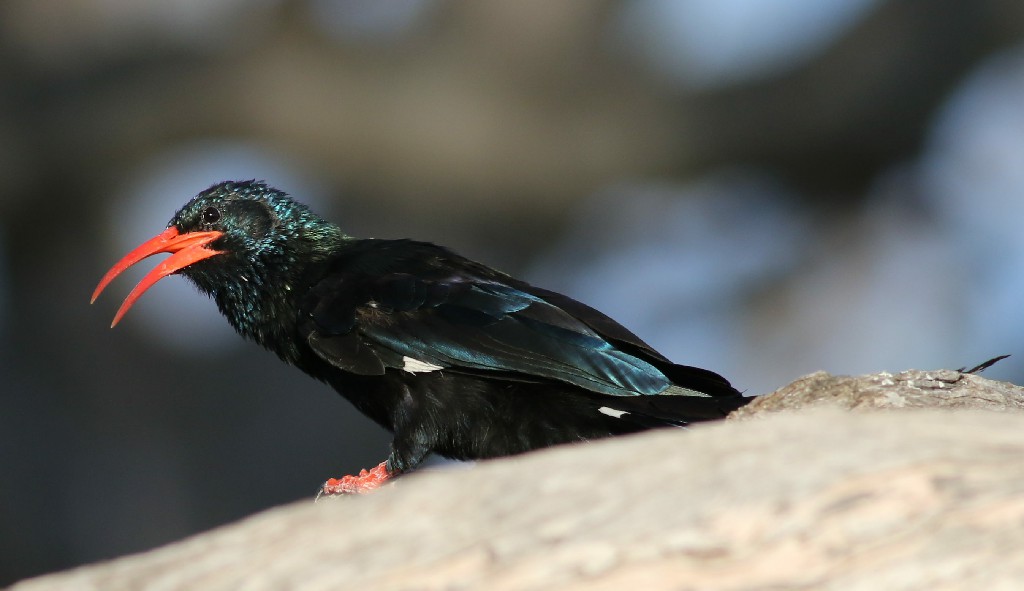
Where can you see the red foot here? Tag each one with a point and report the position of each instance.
(367, 481)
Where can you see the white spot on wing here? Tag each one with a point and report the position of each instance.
(416, 366)
(612, 412)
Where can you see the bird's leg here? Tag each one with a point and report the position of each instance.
(404, 457)
(366, 481)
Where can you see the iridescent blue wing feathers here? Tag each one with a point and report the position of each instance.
(463, 320)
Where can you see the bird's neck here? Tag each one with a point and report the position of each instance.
(262, 303)
(267, 316)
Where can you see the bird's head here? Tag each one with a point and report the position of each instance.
(231, 240)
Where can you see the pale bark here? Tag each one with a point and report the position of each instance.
(819, 498)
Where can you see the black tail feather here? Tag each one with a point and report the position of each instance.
(648, 412)
(983, 366)
(700, 380)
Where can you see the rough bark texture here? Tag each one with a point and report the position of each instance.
(944, 388)
(816, 499)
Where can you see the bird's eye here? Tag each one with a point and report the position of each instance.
(211, 215)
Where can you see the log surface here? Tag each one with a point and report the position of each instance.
(818, 498)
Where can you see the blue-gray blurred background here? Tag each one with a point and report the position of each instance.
(763, 188)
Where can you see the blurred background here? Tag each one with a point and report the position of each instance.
(761, 188)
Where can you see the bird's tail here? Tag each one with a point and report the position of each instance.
(694, 381)
(695, 395)
(664, 410)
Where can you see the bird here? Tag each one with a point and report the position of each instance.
(451, 356)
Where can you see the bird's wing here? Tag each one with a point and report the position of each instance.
(405, 322)
(694, 379)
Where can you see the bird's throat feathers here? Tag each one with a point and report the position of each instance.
(258, 297)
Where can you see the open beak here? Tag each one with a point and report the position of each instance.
(187, 248)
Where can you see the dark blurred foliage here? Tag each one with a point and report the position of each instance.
(812, 213)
